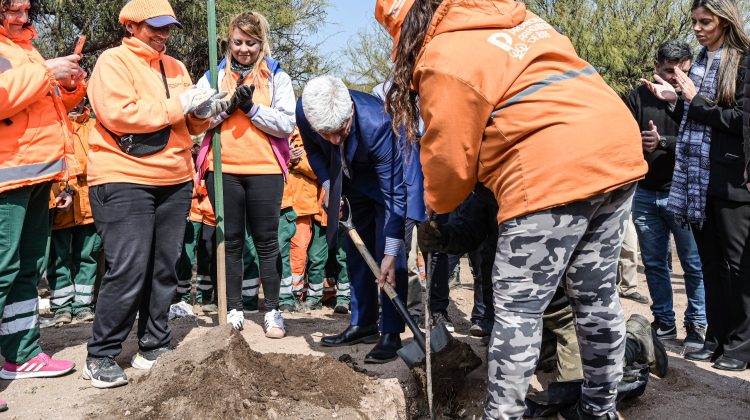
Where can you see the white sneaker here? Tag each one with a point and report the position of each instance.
(236, 319)
(274, 324)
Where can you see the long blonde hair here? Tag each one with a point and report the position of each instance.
(735, 46)
(254, 25)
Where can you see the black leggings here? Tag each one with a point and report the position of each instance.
(253, 201)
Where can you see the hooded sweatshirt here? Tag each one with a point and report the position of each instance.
(128, 96)
(507, 101)
(35, 140)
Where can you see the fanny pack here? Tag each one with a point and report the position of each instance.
(145, 144)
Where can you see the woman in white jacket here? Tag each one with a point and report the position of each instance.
(255, 153)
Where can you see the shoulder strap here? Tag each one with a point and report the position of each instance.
(164, 77)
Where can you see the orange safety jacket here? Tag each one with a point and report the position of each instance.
(303, 181)
(35, 141)
(128, 96)
(519, 111)
(80, 214)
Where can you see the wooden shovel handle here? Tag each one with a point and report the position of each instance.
(370, 261)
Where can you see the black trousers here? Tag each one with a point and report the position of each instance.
(142, 229)
(252, 202)
(724, 247)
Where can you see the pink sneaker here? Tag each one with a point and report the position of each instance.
(41, 366)
(3, 405)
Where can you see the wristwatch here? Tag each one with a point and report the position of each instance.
(662, 142)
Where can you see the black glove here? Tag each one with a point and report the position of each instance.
(429, 237)
(242, 99)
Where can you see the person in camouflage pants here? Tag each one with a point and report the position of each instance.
(579, 242)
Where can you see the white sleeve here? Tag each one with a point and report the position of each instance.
(203, 82)
(277, 120)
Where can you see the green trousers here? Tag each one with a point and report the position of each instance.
(71, 270)
(251, 275)
(24, 233)
(317, 257)
(559, 340)
(194, 251)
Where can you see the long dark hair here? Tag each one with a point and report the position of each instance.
(735, 46)
(401, 100)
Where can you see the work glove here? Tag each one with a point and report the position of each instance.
(242, 99)
(212, 107)
(194, 97)
(429, 236)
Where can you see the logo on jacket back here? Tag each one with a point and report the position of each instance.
(515, 41)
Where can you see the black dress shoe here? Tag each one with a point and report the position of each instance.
(385, 350)
(727, 363)
(353, 334)
(702, 355)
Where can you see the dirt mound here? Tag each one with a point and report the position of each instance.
(220, 376)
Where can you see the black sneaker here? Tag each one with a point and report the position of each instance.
(696, 336)
(442, 318)
(341, 308)
(311, 305)
(145, 360)
(479, 330)
(287, 308)
(104, 372)
(575, 412)
(664, 331)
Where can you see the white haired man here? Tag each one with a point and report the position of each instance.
(353, 150)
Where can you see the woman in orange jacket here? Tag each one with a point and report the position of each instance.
(140, 171)
(36, 148)
(255, 154)
(521, 113)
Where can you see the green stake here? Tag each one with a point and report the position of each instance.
(221, 273)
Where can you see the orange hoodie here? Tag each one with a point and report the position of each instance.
(128, 96)
(80, 214)
(507, 101)
(35, 141)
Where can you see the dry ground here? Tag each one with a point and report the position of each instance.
(690, 391)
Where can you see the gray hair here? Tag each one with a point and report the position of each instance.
(674, 50)
(327, 104)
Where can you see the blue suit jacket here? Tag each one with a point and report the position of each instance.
(372, 154)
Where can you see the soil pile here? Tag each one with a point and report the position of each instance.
(220, 376)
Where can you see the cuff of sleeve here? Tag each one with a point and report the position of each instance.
(392, 246)
(174, 111)
(253, 111)
(326, 185)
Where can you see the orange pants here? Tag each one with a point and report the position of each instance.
(298, 253)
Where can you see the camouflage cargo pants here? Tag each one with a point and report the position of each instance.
(579, 242)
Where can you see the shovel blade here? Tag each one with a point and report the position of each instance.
(413, 355)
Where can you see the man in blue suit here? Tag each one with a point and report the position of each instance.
(353, 150)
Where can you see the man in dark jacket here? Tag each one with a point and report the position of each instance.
(353, 150)
(653, 224)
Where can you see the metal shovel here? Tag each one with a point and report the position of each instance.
(441, 340)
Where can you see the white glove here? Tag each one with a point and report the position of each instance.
(195, 97)
(212, 107)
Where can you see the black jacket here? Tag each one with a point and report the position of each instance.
(746, 116)
(646, 107)
(727, 152)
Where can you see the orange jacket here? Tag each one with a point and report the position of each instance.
(303, 181)
(200, 209)
(518, 111)
(35, 141)
(81, 211)
(128, 96)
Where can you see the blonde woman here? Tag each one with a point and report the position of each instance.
(255, 153)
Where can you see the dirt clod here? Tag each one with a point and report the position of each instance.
(220, 376)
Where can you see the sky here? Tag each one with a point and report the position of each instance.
(345, 19)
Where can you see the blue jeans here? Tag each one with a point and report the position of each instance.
(653, 225)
